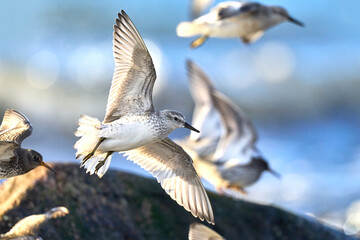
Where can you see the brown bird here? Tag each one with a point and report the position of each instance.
(28, 228)
(15, 160)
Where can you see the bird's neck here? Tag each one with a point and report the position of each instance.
(161, 124)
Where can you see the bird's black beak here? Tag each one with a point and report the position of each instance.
(297, 22)
(188, 126)
(276, 174)
(47, 166)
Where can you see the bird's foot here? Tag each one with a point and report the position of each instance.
(199, 41)
(99, 165)
(238, 189)
(93, 151)
(220, 190)
(87, 157)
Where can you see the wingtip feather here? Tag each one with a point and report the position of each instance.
(187, 192)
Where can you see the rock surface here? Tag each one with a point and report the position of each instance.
(125, 206)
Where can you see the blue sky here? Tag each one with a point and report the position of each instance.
(302, 114)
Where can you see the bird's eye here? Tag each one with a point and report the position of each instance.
(34, 157)
(175, 118)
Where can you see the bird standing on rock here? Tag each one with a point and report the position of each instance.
(15, 160)
(245, 20)
(232, 160)
(28, 228)
(133, 126)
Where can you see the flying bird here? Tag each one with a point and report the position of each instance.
(245, 20)
(15, 160)
(134, 127)
(231, 161)
(199, 231)
(28, 228)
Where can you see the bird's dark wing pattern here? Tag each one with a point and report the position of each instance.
(7, 150)
(244, 8)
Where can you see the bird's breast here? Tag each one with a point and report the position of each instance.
(128, 133)
(236, 27)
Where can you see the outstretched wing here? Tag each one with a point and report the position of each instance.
(7, 150)
(205, 116)
(15, 127)
(134, 74)
(239, 134)
(173, 169)
(199, 231)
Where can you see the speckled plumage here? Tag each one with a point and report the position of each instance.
(133, 126)
(12, 168)
(15, 160)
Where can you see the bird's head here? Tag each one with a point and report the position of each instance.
(261, 163)
(282, 15)
(57, 212)
(34, 159)
(177, 120)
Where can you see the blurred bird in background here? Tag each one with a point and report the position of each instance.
(15, 160)
(199, 231)
(228, 159)
(28, 228)
(245, 20)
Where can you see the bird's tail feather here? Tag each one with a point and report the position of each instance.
(187, 29)
(90, 165)
(87, 125)
(89, 131)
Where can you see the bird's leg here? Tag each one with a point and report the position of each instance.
(199, 41)
(220, 190)
(238, 189)
(93, 151)
(101, 163)
(245, 40)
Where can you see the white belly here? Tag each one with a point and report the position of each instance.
(231, 28)
(126, 135)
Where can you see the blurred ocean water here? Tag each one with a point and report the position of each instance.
(299, 85)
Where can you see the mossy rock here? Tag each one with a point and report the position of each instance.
(125, 206)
